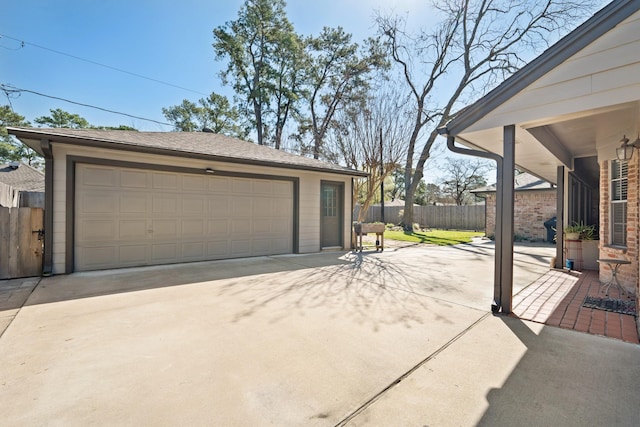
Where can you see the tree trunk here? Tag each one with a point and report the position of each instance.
(316, 146)
(257, 109)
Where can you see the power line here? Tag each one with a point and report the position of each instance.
(8, 89)
(23, 43)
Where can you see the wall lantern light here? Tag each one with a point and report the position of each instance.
(625, 151)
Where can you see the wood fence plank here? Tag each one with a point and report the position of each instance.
(14, 227)
(37, 242)
(4, 243)
(20, 250)
(30, 261)
(445, 217)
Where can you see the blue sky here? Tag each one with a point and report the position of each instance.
(164, 40)
(160, 39)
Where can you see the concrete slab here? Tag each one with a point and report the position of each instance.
(13, 295)
(294, 347)
(288, 340)
(509, 372)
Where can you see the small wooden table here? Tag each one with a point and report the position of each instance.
(614, 265)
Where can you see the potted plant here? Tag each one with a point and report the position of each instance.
(585, 236)
(580, 231)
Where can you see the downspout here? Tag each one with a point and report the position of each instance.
(47, 261)
(497, 273)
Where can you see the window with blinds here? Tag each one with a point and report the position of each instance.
(619, 171)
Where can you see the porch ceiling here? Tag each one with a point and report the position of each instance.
(544, 144)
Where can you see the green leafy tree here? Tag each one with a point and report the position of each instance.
(263, 54)
(62, 119)
(338, 72)
(120, 127)
(214, 112)
(10, 148)
(397, 188)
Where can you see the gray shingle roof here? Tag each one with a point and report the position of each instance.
(23, 178)
(200, 144)
(522, 182)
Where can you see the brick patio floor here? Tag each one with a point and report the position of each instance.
(556, 300)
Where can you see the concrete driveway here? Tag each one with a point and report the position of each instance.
(402, 337)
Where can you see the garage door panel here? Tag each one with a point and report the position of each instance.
(98, 230)
(165, 204)
(135, 203)
(281, 208)
(241, 206)
(261, 207)
(218, 227)
(99, 176)
(129, 217)
(193, 205)
(240, 248)
(219, 184)
(280, 246)
(165, 228)
(240, 226)
(282, 189)
(194, 183)
(262, 187)
(218, 249)
(192, 228)
(241, 186)
(132, 254)
(133, 229)
(261, 226)
(165, 181)
(134, 179)
(164, 251)
(280, 226)
(261, 247)
(98, 257)
(194, 250)
(219, 206)
(107, 203)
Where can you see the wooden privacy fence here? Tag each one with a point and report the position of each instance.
(445, 217)
(21, 242)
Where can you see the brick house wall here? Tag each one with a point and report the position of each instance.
(531, 209)
(628, 274)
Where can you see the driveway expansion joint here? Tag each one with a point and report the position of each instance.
(17, 309)
(404, 376)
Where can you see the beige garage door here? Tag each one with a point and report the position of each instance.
(131, 217)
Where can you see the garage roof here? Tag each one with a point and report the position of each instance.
(203, 145)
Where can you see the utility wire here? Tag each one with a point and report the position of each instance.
(8, 89)
(23, 43)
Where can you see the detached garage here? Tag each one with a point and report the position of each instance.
(124, 198)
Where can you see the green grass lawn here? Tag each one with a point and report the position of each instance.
(436, 237)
